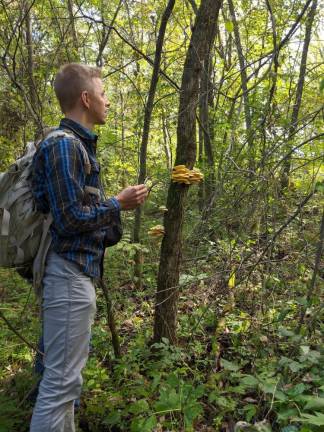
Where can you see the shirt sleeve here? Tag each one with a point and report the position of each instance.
(65, 181)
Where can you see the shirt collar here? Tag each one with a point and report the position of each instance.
(86, 135)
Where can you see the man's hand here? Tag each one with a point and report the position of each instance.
(132, 197)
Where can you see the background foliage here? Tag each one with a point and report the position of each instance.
(249, 354)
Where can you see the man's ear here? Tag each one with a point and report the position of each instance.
(85, 98)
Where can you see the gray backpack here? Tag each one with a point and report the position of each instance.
(24, 231)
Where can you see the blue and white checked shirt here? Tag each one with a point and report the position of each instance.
(58, 181)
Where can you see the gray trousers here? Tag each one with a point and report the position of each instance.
(69, 305)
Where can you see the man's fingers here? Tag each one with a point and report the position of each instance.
(141, 191)
(141, 188)
(132, 196)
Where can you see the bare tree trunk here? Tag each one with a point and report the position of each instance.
(72, 27)
(166, 141)
(122, 115)
(203, 35)
(146, 130)
(201, 159)
(244, 80)
(105, 36)
(30, 64)
(207, 100)
(299, 91)
(111, 319)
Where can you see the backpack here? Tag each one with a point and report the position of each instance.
(24, 231)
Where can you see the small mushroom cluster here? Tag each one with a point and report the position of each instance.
(181, 174)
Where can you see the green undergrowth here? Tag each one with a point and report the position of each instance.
(244, 360)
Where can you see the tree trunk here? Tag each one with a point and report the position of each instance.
(72, 28)
(207, 100)
(244, 80)
(122, 115)
(145, 136)
(203, 35)
(299, 91)
(166, 141)
(105, 36)
(30, 65)
(201, 159)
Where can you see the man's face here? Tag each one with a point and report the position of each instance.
(98, 103)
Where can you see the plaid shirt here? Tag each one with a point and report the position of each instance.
(58, 181)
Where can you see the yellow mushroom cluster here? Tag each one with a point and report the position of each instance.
(156, 231)
(181, 174)
(195, 176)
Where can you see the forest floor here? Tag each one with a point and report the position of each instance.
(249, 355)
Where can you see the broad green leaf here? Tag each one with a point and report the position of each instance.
(298, 389)
(249, 381)
(139, 407)
(169, 401)
(316, 420)
(226, 364)
(279, 395)
(287, 413)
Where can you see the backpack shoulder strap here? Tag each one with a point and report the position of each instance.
(87, 165)
(64, 133)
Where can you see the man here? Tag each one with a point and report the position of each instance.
(79, 231)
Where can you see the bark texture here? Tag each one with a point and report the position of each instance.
(202, 37)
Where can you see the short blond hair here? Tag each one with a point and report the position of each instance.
(71, 80)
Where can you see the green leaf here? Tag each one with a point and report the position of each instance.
(314, 403)
(279, 395)
(268, 386)
(298, 389)
(295, 366)
(321, 86)
(226, 403)
(139, 407)
(316, 420)
(249, 381)
(319, 187)
(140, 424)
(113, 418)
(250, 411)
(169, 401)
(304, 349)
(287, 413)
(229, 365)
(191, 412)
(229, 26)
